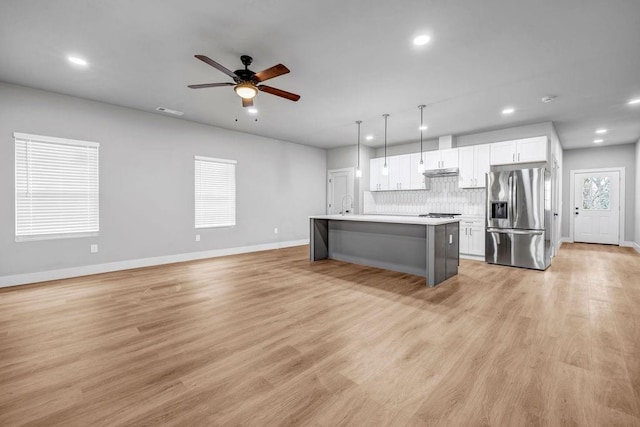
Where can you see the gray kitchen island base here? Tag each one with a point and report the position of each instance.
(422, 249)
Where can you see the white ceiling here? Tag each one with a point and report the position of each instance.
(349, 60)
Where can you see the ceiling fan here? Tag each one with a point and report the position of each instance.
(247, 82)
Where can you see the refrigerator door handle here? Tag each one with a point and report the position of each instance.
(510, 183)
(511, 231)
(514, 198)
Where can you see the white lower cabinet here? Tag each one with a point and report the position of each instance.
(472, 236)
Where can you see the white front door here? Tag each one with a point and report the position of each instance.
(340, 191)
(596, 207)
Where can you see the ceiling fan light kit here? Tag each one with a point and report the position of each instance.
(246, 82)
(246, 90)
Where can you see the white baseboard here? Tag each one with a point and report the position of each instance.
(566, 240)
(631, 244)
(65, 273)
(472, 257)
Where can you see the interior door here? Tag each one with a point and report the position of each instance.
(596, 207)
(340, 191)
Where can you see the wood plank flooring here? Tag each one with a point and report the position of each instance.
(270, 339)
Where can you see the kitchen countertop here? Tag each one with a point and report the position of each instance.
(388, 218)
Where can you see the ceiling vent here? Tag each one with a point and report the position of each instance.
(170, 111)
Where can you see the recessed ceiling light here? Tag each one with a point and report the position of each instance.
(423, 127)
(508, 110)
(601, 131)
(634, 101)
(77, 61)
(421, 40)
(598, 141)
(252, 111)
(369, 137)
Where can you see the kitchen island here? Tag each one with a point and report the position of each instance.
(427, 247)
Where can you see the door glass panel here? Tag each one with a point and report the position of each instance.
(595, 193)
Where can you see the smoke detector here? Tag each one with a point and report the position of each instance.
(169, 111)
(548, 98)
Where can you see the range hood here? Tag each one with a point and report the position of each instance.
(444, 142)
(441, 172)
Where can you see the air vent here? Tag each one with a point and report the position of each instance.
(170, 111)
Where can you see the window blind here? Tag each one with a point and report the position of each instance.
(215, 192)
(56, 187)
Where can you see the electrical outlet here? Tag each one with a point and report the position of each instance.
(275, 230)
(197, 237)
(94, 249)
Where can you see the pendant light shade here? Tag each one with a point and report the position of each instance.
(385, 168)
(421, 164)
(358, 170)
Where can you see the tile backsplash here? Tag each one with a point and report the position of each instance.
(443, 196)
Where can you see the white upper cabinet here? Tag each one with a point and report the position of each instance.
(377, 181)
(525, 150)
(418, 180)
(474, 165)
(400, 172)
(441, 159)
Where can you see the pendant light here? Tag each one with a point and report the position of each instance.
(358, 170)
(421, 164)
(385, 168)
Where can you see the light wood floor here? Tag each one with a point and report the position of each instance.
(270, 338)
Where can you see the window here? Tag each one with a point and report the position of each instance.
(56, 187)
(595, 193)
(215, 192)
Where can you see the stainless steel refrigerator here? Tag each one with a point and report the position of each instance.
(518, 218)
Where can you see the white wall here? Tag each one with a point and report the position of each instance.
(146, 183)
(506, 134)
(602, 157)
(637, 213)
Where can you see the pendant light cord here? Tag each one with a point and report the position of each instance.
(358, 122)
(421, 107)
(385, 138)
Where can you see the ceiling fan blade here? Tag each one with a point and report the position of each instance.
(269, 73)
(202, 86)
(279, 92)
(247, 102)
(214, 64)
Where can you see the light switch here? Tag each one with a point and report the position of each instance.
(197, 237)
(94, 249)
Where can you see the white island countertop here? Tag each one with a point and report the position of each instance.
(395, 219)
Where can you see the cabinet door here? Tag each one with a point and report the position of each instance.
(476, 241)
(503, 153)
(532, 150)
(466, 162)
(432, 160)
(481, 155)
(464, 238)
(449, 158)
(375, 171)
(417, 180)
(404, 174)
(377, 181)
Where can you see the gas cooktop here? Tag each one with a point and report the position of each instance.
(439, 215)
